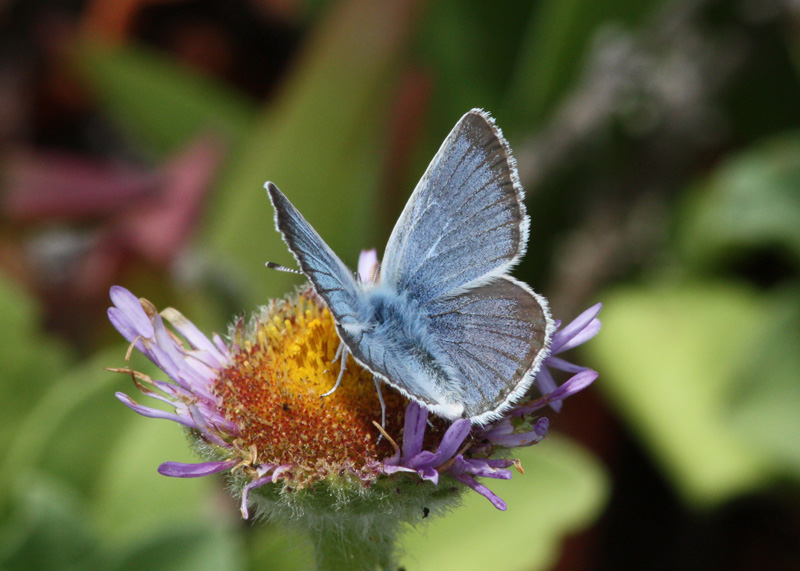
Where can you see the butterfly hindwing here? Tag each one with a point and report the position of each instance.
(494, 336)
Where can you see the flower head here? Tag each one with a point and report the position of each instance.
(254, 405)
(255, 409)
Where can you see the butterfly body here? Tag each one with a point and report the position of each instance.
(392, 324)
(442, 323)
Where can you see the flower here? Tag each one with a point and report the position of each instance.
(254, 409)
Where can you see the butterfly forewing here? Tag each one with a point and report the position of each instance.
(465, 221)
(330, 277)
(495, 337)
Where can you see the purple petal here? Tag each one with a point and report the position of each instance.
(576, 326)
(575, 384)
(390, 469)
(546, 385)
(159, 357)
(482, 490)
(169, 398)
(497, 428)
(220, 344)
(171, 358)
(429, 473)
(202, 426)
(452, 439)
(153, 412)
(562, 365)
(545, 381)
(196, 375)
(122, 324)
(199, 387)
(424, 458)
(367, 264)
(583, 336)
(414, 431)
(257, 483)
(132, 308)
(525, 438)
(194, 336)
(173, 391)
(181, 470)
(499, 462)
(481, 468)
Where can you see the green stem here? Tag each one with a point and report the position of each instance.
(356, 543)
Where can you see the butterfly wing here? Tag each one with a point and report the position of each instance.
(465, 221)
(495, 337)
(332, 280)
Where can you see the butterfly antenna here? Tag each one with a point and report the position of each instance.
(280, 268)
(340, 352)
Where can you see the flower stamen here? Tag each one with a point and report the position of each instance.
(389, 438)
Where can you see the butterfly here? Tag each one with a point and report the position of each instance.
(442, 322)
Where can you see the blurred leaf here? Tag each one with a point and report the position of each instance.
(132, 499)
(469, 49)
(83, 436)
(668, 357)
(555, 47)
(563, 490)
(317, 143)
(31, 362)
(749, 201)
(48, 529)
(275, 547)
(189, 548)
(162, 101)
(766, 408)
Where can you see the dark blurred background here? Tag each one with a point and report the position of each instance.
(657, 141)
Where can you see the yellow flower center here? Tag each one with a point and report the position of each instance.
(273, 392)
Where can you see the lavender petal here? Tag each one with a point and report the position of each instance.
(546, 385)
(453, 438)
(576, 326)
(257, 483)
(470, 482)
(153, 412)
(367, 264)
(132, 308)
(480, 468)
(562, 365)
(415, 422)
(194, 336)
(181, 470)
(582, 336)
(574, 384)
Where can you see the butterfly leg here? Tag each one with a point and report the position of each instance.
(342, 353)
(383, 405)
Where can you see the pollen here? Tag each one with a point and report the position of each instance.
(283, 363)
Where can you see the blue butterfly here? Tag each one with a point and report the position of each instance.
(442, 323)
